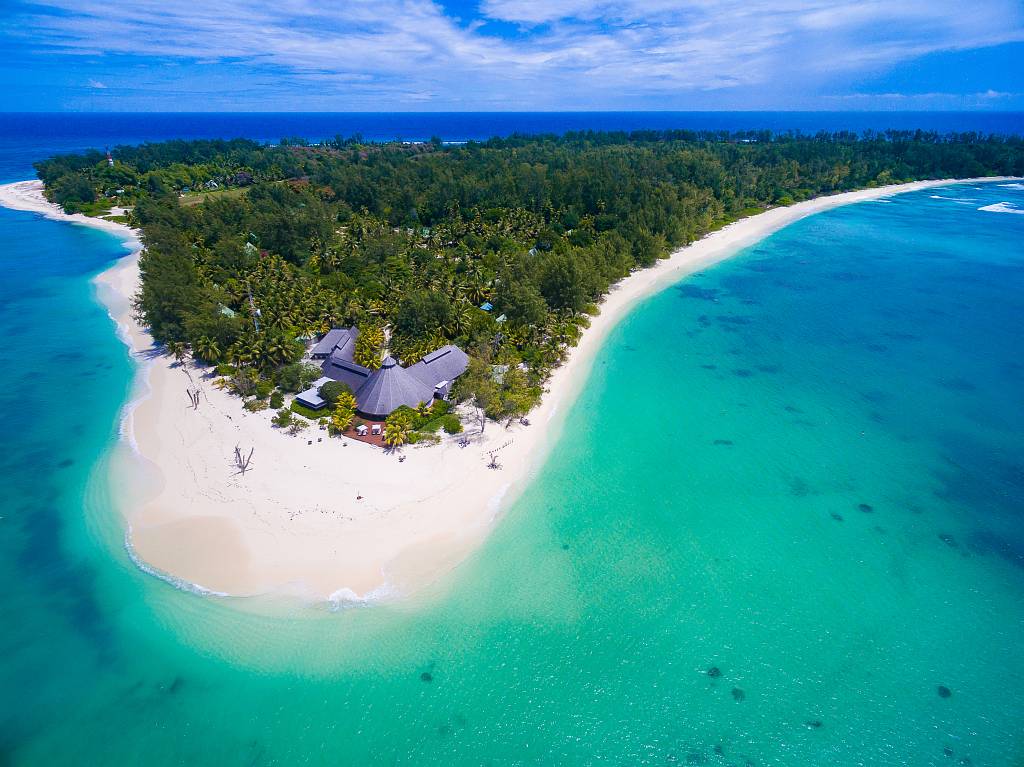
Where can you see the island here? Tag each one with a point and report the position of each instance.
(351, 352)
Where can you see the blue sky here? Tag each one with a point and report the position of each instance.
(422, 55)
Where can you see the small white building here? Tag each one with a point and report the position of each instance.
(311, 397)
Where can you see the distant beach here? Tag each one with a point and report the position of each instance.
(336, 520)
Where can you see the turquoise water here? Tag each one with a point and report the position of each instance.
(785, 510)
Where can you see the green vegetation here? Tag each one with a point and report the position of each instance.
(370, 344)
(297, 424)
(297, 377)
(344, 408)
(335, 392)
(198, 198)
(425, 421)
(451, 424)
(305, 411)
(409, 241)
(398, 427)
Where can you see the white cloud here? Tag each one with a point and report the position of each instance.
(363, 50)
(926, 101)
(96, 84)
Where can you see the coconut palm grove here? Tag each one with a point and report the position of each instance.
(503, 247)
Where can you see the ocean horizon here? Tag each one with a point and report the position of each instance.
(29, 136)
(782, 525)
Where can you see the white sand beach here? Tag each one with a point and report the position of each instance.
(28, 196)
(335, 519)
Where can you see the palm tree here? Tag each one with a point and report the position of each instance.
(478, 290)
(207, 350)
(552, 352)
(460, 319)
(275, 351)
(474, 270)
(236, 353)
(518, 334)
(178, 350)
(341, 418)
(244, 351)
(396, 431)
(345, 400)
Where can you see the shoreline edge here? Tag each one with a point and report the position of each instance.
(269, 532)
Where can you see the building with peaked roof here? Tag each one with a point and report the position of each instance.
(389, 388)
(379, 392)
(349, 373)
(342, 340)
(440, 368)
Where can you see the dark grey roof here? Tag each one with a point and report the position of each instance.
(445, 364)
(346, 347)
(389, 388)
(340, 342)
(326, 344)
(349, 373)
(379, 392)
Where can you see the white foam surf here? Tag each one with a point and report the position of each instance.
(1003, 207)
(178, 583)
(960, 200)
(345, 598)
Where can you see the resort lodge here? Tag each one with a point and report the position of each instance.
(379, 392)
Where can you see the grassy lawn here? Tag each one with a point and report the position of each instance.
(98, 208)
(197, 198)
(305, 412)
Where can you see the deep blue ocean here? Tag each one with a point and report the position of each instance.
(26, 137)
(784, 524)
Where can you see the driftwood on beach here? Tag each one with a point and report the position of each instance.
(493, 454)
(243, 462)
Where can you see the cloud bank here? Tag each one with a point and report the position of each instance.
(501, 54)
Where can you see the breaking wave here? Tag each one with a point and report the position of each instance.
(1003, 207)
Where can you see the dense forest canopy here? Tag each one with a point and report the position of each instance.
(409, 241)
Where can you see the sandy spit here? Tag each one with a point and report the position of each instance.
(337, 520)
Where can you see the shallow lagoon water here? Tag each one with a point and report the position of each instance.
(784, 520)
